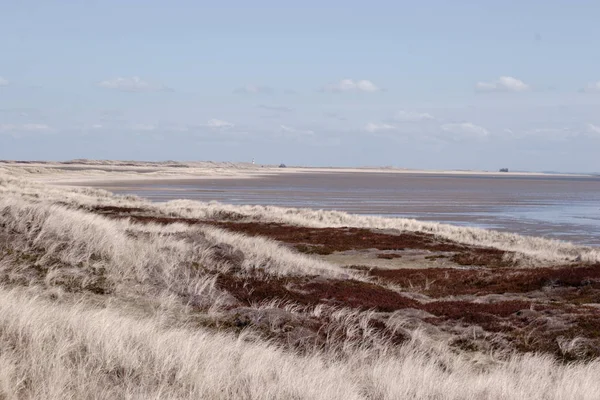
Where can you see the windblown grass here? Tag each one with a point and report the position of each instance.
(54, 350)
(93, 306)
(527, 249)
(530, 248)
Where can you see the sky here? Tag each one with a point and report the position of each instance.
(430, 84)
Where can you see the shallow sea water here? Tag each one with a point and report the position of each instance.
(560, 207)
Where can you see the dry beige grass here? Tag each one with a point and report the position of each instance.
(92, 307)
(62, 350)
(529, 249)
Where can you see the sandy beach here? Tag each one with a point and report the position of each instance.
(105, 173)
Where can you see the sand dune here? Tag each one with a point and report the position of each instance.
(109, 296)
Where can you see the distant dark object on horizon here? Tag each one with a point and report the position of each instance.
(503, 169)
(282, 166)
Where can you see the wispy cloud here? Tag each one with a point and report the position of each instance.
(400, 119)
(24, 128)
(171, 127)
(21, 112)
(288, 130)
(592, 87)
(253, 89)
(593, 129)
(349, 85)
(553, 133)
(133, 84)
(3, 82)
(503, 84)
(465, 129)
(334, 115)
(412, 116)
(373, 127)
(219, 124)
(18, 130)
(276, 108)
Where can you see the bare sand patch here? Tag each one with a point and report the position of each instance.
(81, 172)
(417, 259)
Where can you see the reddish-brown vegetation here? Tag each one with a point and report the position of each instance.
(329, 240)
(482, 256)
(111, 210)
(303, 332)
(141, 215)
(314, 291)
(389, 256)
(580, 282)
(475, 313)
(462, 309)
(325, 241)
(548, 314)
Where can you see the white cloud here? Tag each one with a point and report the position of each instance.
(592, 87)
(24, 128)
(373, 127)
(555, 133)
(503, 84)
(411, 116)
(3, 82)
(593, 129)
(294, 131)
(219, 124)
(467, 129)
(133, 84)
(97, 126)
(253, 89)
(276, 108)
(349, 85)
(170, 127)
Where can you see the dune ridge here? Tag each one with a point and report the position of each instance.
(107, 296)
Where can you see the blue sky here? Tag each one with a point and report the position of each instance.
(428, 84)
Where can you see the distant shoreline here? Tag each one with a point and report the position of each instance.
(106, 172)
